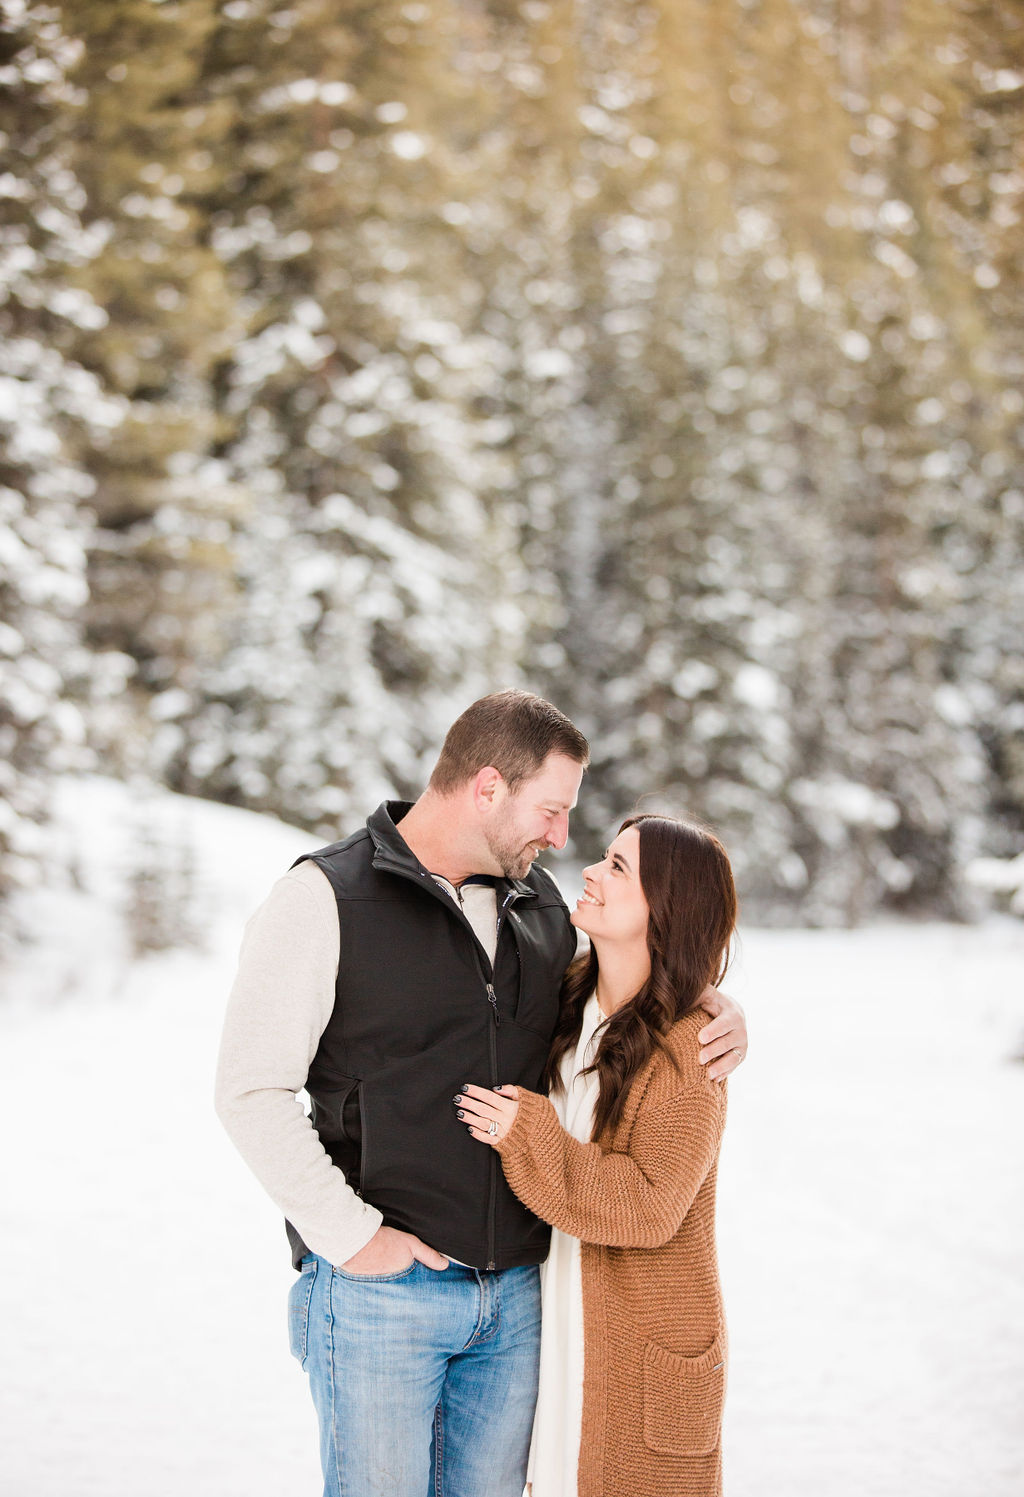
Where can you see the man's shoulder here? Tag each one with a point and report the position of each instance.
(335, 850)
(342, 862)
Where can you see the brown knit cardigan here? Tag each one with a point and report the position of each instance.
(642, 1200)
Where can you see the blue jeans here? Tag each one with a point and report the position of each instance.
(424, 1382)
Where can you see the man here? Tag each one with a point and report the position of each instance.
(381, 975)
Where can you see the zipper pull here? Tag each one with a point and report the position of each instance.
(492, 999)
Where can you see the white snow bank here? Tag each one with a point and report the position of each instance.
(872, 1198)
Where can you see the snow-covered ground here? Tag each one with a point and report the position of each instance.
(871, 1220)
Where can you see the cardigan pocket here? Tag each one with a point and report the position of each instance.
(683, 1399)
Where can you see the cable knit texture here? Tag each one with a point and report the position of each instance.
(642, 1200)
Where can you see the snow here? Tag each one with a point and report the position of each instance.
(872, 1214)
(872, 1204)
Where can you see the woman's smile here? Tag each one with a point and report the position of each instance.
(612, 906)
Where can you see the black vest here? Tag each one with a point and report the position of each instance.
(418, 1012)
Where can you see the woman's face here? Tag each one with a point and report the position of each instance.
(612, 906)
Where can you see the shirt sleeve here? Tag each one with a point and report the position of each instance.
(637, 1198)
(281, 1001)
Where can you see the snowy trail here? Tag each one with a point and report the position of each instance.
(871, 1220)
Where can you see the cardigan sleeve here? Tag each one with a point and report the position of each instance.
(618, 1199)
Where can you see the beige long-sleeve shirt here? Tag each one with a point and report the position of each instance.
(281, 1001)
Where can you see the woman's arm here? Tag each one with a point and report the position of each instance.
(634, 1199)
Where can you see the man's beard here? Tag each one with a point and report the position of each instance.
(513, 858)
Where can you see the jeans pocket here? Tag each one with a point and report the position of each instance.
(377, 1278)
(683, 1398)
(299, 1296)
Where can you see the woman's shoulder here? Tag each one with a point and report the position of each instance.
(680, 1068)
(683, 1034)
(673, 1071)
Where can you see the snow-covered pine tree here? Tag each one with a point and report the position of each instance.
(379, 587)
(52, 409)
(146, 146)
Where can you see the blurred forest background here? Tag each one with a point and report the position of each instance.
(666, 357)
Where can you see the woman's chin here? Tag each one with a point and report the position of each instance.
(578, 917)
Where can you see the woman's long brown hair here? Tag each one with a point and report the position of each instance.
(687, 882)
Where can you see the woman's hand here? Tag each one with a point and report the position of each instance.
(487, 1114)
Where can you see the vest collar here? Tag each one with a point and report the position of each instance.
(392, 854)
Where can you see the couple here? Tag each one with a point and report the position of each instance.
(413, 979)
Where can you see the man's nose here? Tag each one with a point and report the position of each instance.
(558, 834)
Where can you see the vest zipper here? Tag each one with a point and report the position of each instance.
(492, 1035)
(492, 1047)
(492, 1193)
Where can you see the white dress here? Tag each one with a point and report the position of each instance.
(555, 1451)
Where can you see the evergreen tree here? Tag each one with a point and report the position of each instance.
(146, 147)
(360, 359)
(378, 577)
(51, 410)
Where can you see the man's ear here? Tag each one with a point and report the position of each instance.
(488, 787)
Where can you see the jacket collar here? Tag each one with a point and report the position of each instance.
(392, 854)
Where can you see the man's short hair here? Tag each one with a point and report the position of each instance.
(515, 732)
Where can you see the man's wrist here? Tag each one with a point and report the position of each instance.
(350, 1248)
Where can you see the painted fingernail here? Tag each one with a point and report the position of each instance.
(460, 1113)
(458, 1098)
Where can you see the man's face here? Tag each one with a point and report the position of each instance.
(535, 816)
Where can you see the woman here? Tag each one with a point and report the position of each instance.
(621, 1160)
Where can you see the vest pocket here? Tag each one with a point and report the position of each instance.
(336, 1110)
(683, 1399)
(337, 1118)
